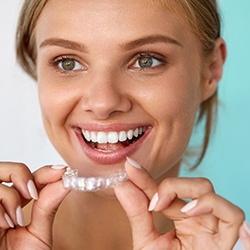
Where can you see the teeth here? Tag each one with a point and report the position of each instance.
(87, 136)
(130, 134)
(140, 130)
(122, 136)
(112, 137)
(93, 137)
(102, 137)
(136, 132)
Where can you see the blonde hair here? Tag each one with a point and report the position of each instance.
(202, 15)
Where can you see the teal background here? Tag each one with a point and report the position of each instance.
(226, 163)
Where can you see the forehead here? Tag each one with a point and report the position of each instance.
(88, 19)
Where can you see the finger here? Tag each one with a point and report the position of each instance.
(230, 216)
(183, 188)
(11, 203)
(173, 191)
(52, 193)
(135, 204)
(5, 220)
(245, 235)
(19, 175)
(48, 174)
(142, 179)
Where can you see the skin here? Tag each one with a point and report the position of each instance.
(108, 92)
(245, 235)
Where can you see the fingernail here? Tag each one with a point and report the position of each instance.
(189, 206)
(153, 202)
(134, 163)
(246, 226)
(58, 167)
(32, 190)
(19, 216)
(9, 221)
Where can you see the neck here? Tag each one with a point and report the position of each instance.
(98, 222)
(91, 220)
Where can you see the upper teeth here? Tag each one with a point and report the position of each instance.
(113, 136)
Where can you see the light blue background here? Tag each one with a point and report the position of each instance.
(226, 162)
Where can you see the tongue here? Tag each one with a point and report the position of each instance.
(109, 146)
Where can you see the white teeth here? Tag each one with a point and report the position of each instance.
(136, 132)
(112, 137)
(140, 130)
(87, 135)
(93, 137)
(102, 137)
(130, 134)
(122, 136)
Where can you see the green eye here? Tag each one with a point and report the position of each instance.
(68, 64)
(145, 62)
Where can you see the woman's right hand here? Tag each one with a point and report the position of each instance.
(46, 188)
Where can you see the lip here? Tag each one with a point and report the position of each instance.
(114, 156)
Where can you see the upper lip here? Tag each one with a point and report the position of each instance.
(112, 136)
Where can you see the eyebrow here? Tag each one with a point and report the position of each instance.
(64, 43)
(126, 46)
(149, 40)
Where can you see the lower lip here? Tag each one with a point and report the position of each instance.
(110, 157)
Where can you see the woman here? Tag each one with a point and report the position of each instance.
(120, 81)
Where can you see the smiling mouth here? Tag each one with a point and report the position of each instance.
(113, 140)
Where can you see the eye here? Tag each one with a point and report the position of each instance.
(147, 61)
(69, 64)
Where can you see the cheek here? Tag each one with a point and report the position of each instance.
(55, 100)
(173, 106)
(50, 103)
(171, 101)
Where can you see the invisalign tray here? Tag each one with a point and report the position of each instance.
(91, 184)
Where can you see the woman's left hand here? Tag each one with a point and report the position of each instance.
(208, 222)
(245, 235)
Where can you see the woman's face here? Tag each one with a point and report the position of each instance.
(124, 75)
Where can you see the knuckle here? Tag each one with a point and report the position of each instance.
(9, 195)
(20, 167)
(10, 192)
(168, 182)
(205, 184)
(239, 215)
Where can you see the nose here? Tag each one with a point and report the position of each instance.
(106, 96)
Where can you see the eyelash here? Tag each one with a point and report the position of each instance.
(151, 57)
(154, 58)
(56, 63)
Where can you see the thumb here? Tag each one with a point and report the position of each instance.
(51, 195)
(135, 204)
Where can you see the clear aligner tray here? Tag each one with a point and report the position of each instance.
(91, 184)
